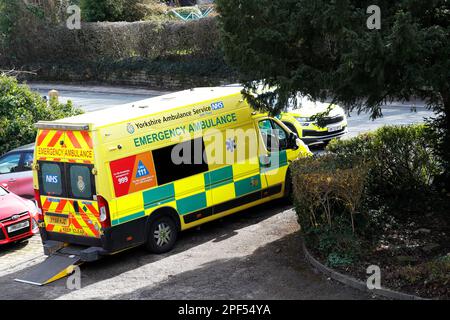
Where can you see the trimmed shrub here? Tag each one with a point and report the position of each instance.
(328, 189)
(20, 109)
(187, 49)
(328, 196)
(104, 41)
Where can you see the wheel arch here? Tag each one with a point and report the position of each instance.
(165, 211)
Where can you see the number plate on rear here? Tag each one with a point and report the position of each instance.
(59, 221)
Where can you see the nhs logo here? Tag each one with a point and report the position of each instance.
(217, 106)
(51, 179)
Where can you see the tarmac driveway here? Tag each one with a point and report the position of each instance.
(255, 254)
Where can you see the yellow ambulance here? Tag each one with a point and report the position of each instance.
(140, 173)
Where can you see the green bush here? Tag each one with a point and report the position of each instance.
(361, 186)
(102, 10)
(20, 109)
(402, 164)
(121, 10)
(8, 16)
(338, 245)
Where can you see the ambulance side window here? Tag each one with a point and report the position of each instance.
(180, 161)
(281, 136)
(51, 179)
(265, 127)
(273, 135)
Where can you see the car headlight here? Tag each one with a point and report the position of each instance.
(34, 226)
(304, 121)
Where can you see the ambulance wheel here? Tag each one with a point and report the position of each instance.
(162, 235)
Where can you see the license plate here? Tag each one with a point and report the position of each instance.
(334, 128)
(19, 226)
(59, 221)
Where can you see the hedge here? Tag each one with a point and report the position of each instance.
(116, 41)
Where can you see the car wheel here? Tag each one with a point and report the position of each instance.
(162, 235)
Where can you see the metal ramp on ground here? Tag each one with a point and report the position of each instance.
(55, 267)
(60, 263)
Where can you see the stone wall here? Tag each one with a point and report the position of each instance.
(141, 78)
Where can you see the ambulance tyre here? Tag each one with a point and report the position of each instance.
(162, 235)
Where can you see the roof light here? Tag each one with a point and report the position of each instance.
(62, 126)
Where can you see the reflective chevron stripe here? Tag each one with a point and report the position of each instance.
(64, 146)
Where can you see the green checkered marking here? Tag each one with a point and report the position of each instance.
(128, 218)
(247, 186)
(283, 159)
(192, 203)
(213, 179)
(158, 196)
(218, 178)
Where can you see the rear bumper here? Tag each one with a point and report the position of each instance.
(113, 240)
(86, 254)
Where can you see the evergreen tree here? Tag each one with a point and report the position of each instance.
(324, 49)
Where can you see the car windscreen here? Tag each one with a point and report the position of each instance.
(3, 192)
(9, 163)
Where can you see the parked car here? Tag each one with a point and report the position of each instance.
(18, 218)
(16, 173)
(299, 121)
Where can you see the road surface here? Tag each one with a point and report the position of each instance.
(101, 97)
(96, 97)
(255, 254)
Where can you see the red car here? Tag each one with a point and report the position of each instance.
(15, 171)
(17, 218)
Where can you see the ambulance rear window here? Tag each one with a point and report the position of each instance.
(51, 179)
(66, 180)
(81, 182)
